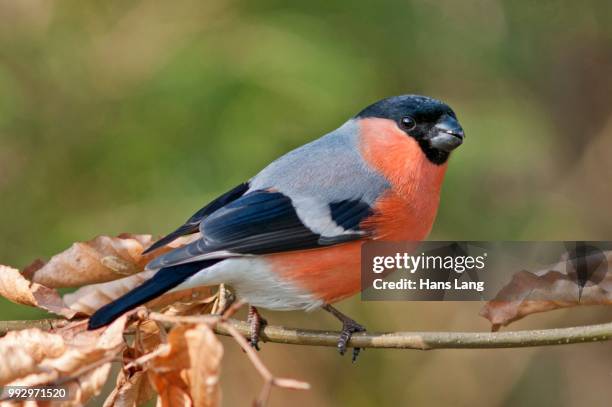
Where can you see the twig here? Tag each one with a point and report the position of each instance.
(44, 324)
(431, 340)
(400, 340)
(142, 360)
(269, 379)
(232, 309)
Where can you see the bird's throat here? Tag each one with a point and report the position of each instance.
(409, 209)
(400, 159)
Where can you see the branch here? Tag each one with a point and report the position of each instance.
(399, 340)
(43, 324)
(432, 340)
(269, 379)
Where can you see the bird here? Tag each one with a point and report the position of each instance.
(290, 237)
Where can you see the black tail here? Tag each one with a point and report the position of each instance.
(165, 279)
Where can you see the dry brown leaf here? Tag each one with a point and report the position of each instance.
(188, 367)
(166, 371)
(79, 360)
(16, 288)
(194, 301)
(88, 385)
(90, 298)
(149, 336)
(205, 353)
(21, 351)
(133, 387)
(99, 260)
(174, 396)
(199, 295)
(186, 371)
(528, 293)
(80, 390)
(130, 391)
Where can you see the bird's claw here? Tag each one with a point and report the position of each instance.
(348, 329)
(256, 323)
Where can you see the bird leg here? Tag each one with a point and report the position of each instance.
(349, 327)
(256, 323)
(225, 299)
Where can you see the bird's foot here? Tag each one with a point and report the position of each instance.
(349, 327)
(256, 323)
(225, 300)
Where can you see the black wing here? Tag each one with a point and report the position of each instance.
(265, 222)
(192, 224)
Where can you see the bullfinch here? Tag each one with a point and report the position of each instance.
(290, 237)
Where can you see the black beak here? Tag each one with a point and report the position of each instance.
(447, 134)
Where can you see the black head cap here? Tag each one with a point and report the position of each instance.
(432, 123)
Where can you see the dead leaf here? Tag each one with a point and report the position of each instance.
(80, 389)
(149, 335)
(173, 396)
(16, 288)
(88, 385)
(205, 353)
(101, 259)
(528, 293)
(79, 360)
(166, 371)
(130, 391)
(98, 260)
(22, 351)
(183, 366)
(188, 371)
(133, 388)
(194, 301)
(90, 298)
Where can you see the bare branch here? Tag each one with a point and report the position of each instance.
(431, 340)
(269, 379)
(43, 324)
(399, 340)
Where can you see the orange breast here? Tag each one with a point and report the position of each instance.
(408, 210)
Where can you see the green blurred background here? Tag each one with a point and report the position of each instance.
(127, 116)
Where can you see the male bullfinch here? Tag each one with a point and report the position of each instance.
(290, 237)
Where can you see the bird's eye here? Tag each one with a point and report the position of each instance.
(408, 123)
